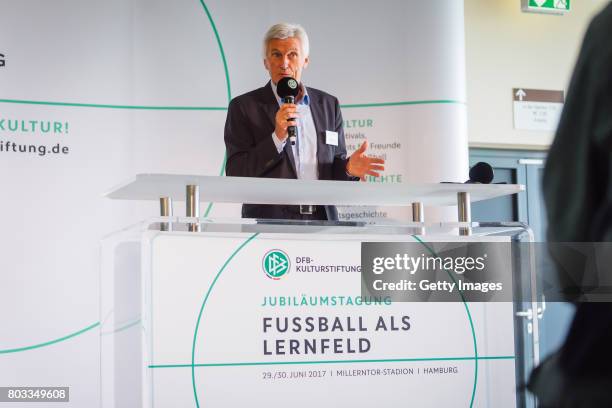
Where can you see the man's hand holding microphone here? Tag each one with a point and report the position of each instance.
(285, 117)
(288, 89)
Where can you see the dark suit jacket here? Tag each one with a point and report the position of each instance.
(578, 195)
(251, 152)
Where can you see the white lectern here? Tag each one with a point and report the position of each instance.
(241, 312)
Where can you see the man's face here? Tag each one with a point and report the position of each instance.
(285, 58)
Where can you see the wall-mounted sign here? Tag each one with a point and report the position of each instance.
(546, 6)
(537, 109)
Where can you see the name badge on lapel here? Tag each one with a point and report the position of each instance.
(331, 138)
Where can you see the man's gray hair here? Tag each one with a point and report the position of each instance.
(282, 31)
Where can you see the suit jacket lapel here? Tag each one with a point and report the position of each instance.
(316, 109)
(289, 152)
(270, 107)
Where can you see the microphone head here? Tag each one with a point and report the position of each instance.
(287, 86)
(482, 173)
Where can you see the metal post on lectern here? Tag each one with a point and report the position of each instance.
(165, 209)
(464, 212)
(418, 215)
(192, 206)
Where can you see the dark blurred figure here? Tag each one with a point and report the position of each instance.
(578, 196)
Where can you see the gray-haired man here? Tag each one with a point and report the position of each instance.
(256, 131)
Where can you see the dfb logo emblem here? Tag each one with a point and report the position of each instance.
(276, 264)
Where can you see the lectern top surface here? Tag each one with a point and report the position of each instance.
(292, 192)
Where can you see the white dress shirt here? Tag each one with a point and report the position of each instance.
(305, 148)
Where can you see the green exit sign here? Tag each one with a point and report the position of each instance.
(546, 6)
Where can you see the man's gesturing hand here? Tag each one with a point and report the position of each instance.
(360, 165)
(283, 120)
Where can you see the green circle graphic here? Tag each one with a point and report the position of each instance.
(193, 365)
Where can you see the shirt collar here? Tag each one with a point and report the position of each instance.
(304, 101)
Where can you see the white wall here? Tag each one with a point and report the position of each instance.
(142, 87)
(505, 49)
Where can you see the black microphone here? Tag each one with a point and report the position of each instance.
(288, 88)
(481, 173)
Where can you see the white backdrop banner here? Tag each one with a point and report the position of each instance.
(92, 93)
